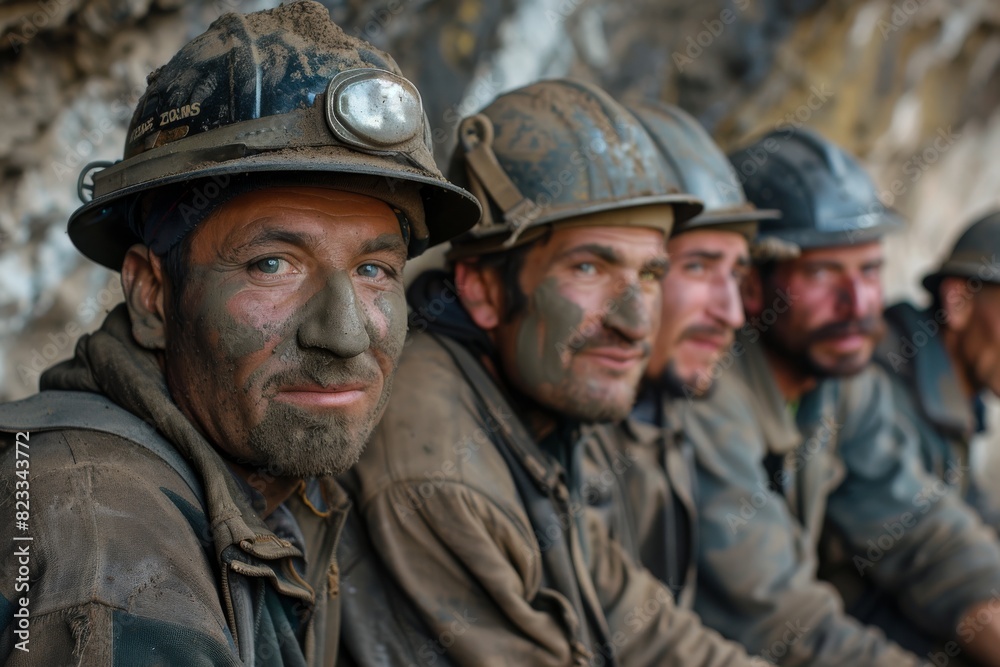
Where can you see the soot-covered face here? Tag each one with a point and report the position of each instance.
(289, 327)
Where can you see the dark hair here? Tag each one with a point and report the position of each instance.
(766, 270)
(509, 263)
(175, 271)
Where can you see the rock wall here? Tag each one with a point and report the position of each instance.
(911, 86)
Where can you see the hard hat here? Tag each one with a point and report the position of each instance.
(703, 169)
(281, 96)
(824, 196)
(974, 254)
(561, 151)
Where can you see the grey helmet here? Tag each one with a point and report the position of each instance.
(974, 255)
(703, 169)
(824, 195)
(561, 151)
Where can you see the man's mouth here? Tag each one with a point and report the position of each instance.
(709, 343)
(847, 343)
(319, 396)
(616, 358)
(711, 339)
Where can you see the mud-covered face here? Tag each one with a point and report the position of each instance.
(290, 325)
(701, 306)
(834, 320)
(581, 343)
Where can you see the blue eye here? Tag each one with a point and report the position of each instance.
(369, 270)
(268, 265)
(587, 268)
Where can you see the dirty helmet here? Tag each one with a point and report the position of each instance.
(976, 254)
(703, 169)
(825, 197)
(276, 97)
(561, 152)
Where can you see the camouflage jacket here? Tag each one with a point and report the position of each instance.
(127, 565)
(486, 534)
(930, 407)
(770, 483)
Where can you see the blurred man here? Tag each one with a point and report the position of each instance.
(709, 262)
(177, 475)
(471, 486)
(940, 360)
(798, 435)
(647, 498)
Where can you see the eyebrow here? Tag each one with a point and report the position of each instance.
(391, 242)
(604, 252)
(278, 235)
(609, 255)
(712, 256)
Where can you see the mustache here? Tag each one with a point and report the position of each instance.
(706, 331)
(610, 338)
(325, 371)
(872, 326)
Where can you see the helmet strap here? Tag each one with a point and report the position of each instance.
(487, 177)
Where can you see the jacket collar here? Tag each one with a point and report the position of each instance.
(782, 430)
(914, 350)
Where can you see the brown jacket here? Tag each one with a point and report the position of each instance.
(441, 487)
(643, 489)
(128, 566)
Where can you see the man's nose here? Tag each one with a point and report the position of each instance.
(858, 298)
(334, 319)
(631, 314)
(726, 304)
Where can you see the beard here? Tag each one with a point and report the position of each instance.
(590, 402)
(293, 442)
(800, 355)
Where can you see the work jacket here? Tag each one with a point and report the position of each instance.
(930, 403)
(931, 408)
(779, 484)
(144, 548)
(644, 491)
(484, 531)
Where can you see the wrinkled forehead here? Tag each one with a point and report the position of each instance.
(310, 216)
(709, 242)
(617, 245)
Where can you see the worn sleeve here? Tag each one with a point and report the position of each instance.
(115, 572)
(469, 570)
(911, 533)
(757, 582)
(645, 625)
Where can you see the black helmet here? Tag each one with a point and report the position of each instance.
(279, 95)
(974, 255)
(824, 196)
(703, 169)
(559, 151)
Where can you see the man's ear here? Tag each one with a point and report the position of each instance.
(143, 283)
(481, 293)
(752, 292)
(956, 299)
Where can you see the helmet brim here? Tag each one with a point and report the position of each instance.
(100, 228)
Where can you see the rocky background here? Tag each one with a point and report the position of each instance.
(911, 86)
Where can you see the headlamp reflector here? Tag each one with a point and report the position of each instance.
(374, 109)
